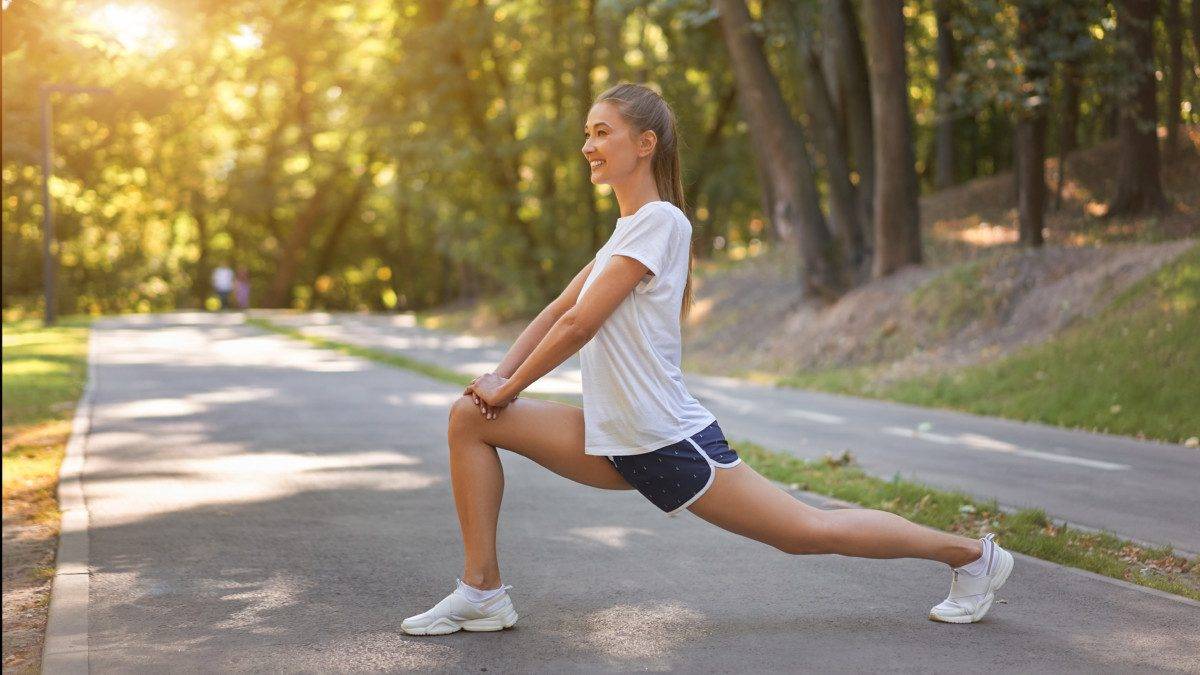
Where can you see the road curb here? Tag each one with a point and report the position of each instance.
(66, 645)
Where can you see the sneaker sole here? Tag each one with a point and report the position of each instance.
(1006, 568)
(446, 626)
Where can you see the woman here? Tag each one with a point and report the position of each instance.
(642, 429)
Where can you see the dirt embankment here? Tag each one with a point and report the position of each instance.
(917, 321)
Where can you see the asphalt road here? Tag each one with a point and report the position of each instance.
(1143, 490)
(260, 505)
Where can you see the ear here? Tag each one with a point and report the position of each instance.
(647, 141)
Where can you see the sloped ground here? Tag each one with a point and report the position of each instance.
(915, 322)
(978, 298)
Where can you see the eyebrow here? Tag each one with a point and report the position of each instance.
(597, 124)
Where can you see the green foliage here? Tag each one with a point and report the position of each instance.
(399, 155)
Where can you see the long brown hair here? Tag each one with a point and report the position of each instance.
(646, 110)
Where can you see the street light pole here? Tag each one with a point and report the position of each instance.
(49, 245)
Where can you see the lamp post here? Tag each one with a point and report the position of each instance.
(49, 250)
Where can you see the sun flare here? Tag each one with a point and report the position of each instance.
(136, 27)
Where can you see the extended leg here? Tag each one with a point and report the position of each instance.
(744, 502)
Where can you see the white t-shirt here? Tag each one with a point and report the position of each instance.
(634, 399)
(222, 279)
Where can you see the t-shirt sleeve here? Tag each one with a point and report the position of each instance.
(648, 238)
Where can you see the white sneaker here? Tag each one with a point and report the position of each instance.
(971, 596)
(455, 612)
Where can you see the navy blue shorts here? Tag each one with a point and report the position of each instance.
(677, 475)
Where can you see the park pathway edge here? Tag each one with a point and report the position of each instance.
(65, 649)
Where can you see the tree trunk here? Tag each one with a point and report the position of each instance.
(1030, 138)
(1139, 187)
(1067, 132)
(853, 86)
(1174, 25)
(1031, 169)
(796, 211)
(896, 218)
(1196, 33)
(712, 139)
(340, 223)
(843, 208)
(201, 282)
(296, 246)
(825, 127)
(944, 163)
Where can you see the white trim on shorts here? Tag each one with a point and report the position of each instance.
(713, 465)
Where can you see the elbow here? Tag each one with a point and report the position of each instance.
(579, 327)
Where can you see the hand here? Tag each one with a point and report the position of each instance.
(491, 389)
(488, 411)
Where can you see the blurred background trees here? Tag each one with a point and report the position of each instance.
(401, 154)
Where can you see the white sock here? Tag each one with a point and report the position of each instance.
(476, 595)
(980, 565)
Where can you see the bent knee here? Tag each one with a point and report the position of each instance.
(463, 411)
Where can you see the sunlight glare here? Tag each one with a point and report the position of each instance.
(136, 27)
(246, 39)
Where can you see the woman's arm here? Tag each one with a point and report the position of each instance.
(577, 325)
(537, 329)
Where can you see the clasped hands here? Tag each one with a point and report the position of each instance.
(490, 394)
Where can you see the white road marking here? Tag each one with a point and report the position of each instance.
(823, 418)
(744, 407)
(986, 443)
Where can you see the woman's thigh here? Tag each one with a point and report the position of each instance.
(547, 432)
(744, 502)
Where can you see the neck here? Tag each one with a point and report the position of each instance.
(636, 192)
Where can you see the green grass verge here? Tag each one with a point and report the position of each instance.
(1133, 370)
(1030, 531)
(44, 372)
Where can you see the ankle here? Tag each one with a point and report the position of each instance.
(965, 554)
(483, 581)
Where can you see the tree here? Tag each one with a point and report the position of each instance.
(1139, 186)
(826, 127)
(944, 160)
(1174, 25)
(852, 96)
(896, 218)
(1032, 114)
(796, 210)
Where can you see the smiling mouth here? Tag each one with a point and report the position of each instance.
(596, 163)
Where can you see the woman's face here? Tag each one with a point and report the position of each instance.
(610, 145)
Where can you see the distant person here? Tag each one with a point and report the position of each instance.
(222, 282)
(643, 430)
(241, 288)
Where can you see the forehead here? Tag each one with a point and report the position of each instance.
(604, 113)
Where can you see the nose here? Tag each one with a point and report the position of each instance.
(588, 148)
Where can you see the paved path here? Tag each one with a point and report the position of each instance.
(260, 505)
(1141, 490)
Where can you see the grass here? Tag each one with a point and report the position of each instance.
(1133, 370)
(44, 372)
(1030, 531)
